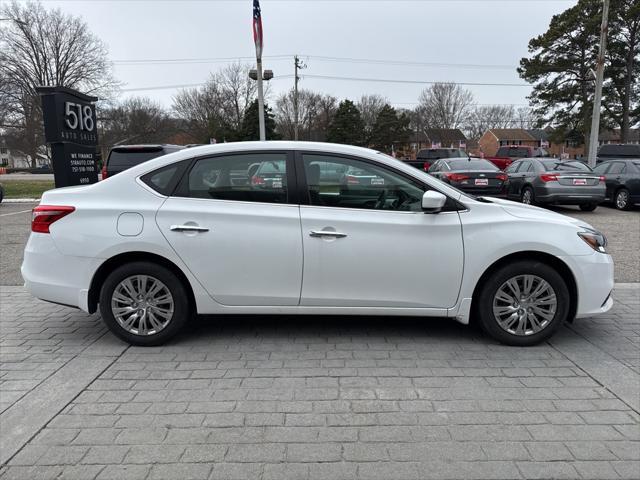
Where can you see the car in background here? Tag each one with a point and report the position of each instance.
(550, 181)
(124, 157)
(1, 192)
(158, 243)
(269, 175)
(471, 175)
(508, 154)
(618, 152)
(426, 156)
(622, 180)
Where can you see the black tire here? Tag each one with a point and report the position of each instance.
(588, 207)
(528, 197)
(485, 301)
(621, 199)
(181, 307)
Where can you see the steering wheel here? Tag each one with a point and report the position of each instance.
(382, 198)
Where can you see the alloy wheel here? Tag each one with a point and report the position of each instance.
(142, 305)
(622, 198)
(526, 197)
(524, 305)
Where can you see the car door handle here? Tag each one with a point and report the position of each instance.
(326, 233)
(188, 228)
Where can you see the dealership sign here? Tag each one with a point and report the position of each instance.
(70, 128)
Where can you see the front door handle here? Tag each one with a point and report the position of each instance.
(188, 228)
(326, 233)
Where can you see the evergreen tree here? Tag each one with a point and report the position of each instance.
(250, 128)
(389, 128)
(560, 67)
(347, 126)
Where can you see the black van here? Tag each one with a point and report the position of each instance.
(123, 157)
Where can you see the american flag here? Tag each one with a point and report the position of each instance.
(257, 28)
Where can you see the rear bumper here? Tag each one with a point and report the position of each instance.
(553, 192)
(42, 267)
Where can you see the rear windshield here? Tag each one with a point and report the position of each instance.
(619, 151)
(129, 158)
(437, 153)
(513, 152)
(473, 164)
(565, 166)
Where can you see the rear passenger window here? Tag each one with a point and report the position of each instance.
(617, 167)
(165, 179)
(254, 177)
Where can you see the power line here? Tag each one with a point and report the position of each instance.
(183, 85)
(407, 63)
(174, 61)
(414, 82)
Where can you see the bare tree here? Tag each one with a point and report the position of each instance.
(315, 114)
(40, 47)
(218, 107)
(138, 120)
(524, 117)
(370, 106)
(444, 105)
(484, 117)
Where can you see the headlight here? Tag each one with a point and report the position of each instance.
(594, 239)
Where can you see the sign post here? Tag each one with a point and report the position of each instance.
(70, 128)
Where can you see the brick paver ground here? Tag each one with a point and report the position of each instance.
(336, 398)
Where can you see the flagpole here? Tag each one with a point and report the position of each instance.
(260, 99)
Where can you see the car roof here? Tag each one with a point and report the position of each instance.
(154, 146)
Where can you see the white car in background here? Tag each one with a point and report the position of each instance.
(197, 232)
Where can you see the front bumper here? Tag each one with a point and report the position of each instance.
(594, 281)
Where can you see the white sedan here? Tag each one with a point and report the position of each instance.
(284, 228)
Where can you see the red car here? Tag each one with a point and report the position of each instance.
(508, 154)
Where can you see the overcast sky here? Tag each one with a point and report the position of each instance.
(485, 38)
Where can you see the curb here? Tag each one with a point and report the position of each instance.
(20, 200)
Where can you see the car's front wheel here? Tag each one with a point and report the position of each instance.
(144, 303)
(523, 303)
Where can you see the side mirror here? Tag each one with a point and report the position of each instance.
(432, 201)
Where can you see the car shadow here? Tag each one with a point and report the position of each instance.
(204, 329)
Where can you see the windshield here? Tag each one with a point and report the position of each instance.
(472, 164)
(565, 166)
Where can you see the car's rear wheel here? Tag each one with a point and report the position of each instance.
(621, 200)
(527, 196)
(144, 303)
(588, 207)
(523, 303)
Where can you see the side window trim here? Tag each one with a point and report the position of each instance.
(182, 188)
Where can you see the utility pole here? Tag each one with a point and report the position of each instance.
(597, 99)
(260, 99)
(298, 64)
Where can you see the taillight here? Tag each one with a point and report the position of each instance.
(44, 215)
(103, 172)
(502, 176)
(255, 180)
(351, 180)
(603, 178)
(457, 177)
(549, 177)
(425, 166)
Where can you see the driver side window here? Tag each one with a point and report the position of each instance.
(348, 183)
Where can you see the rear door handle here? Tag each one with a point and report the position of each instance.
(188, 228)
(326, 233)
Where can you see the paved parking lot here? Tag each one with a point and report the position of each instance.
(320, 397)
(338, 398)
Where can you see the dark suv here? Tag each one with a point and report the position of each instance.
(124, 157)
